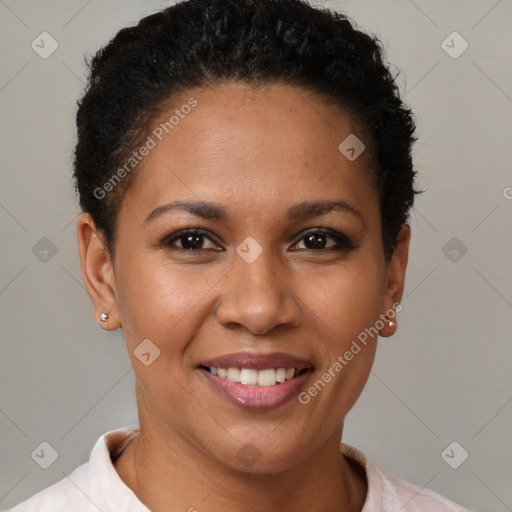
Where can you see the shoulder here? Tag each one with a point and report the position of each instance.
(388, 493)
(70, 493)
(92, 486)
(412, 498)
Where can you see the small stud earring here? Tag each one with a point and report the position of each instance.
(103, 317)
(391, 323)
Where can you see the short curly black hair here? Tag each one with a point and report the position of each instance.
(197, 43)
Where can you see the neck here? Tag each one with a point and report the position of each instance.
(162, 469)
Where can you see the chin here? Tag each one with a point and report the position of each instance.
(249, 458)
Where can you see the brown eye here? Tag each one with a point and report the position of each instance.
(316, 241)
(191, 240)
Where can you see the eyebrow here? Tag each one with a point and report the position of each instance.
(208, 210)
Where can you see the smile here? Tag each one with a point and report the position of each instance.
(257, 381)
(250, 377)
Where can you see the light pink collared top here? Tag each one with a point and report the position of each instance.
(96, 486)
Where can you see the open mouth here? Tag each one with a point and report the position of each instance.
(252, 377)
(255, 381)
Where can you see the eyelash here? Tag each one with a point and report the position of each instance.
(343, 243)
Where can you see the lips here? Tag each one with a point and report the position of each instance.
(256, 381)
(257, 361)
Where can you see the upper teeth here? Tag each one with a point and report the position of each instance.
(250, 377)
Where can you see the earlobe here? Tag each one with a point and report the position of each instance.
(97, 272)
(395, 281)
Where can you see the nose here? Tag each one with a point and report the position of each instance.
(258, 297)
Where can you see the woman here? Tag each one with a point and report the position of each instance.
(245, 175)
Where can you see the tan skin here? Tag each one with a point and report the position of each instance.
(256, 153)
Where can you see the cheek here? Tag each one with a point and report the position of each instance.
(347, 300)
(346, 309)
(161, 302)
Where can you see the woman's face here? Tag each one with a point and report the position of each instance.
(269, 281)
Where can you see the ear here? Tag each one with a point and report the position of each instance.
(97, 271)
(395, 281)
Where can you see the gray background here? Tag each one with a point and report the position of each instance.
(445, 376)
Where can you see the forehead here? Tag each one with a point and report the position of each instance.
(257, 145)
